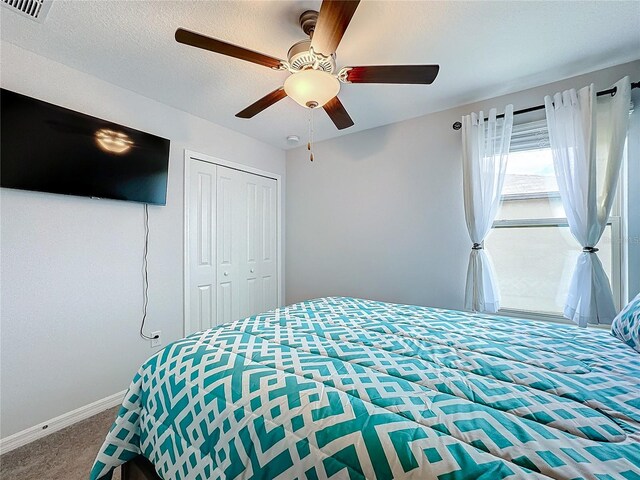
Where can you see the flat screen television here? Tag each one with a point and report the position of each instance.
(47, 148)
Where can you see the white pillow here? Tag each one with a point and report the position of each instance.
(626, 325)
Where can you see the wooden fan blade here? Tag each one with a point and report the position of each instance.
(407, 74)
(262, 104)
(333, 20)
(218, 46)
(338, 114)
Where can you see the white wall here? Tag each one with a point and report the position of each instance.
(379, 214)
(71, 267)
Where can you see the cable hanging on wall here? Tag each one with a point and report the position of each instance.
(145, 274)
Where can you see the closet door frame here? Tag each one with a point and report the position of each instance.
(190, 155)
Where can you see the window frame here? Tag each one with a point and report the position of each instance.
(534, 136)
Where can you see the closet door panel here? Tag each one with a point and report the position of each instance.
(205, 313)
(268, 242)
(225, 306)
(228, 235)
(201, 238)
(250, 293)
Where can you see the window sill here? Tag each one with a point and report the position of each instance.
(544, 317)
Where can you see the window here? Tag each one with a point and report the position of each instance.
(533, 251)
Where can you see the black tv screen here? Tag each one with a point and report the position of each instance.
(47, 148)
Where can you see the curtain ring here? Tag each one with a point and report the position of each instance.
(590, 250)
(477, 246)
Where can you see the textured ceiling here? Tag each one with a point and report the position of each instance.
(484, 49)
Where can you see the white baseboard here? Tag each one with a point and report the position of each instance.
(58, 423)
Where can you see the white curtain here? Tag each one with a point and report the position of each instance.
(485, 149)
(587, 140)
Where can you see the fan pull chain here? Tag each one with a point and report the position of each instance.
(310, 142)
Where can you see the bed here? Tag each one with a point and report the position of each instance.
(345, 388)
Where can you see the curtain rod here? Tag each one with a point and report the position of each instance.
(611, 91)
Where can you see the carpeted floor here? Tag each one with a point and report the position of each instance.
(65, 455)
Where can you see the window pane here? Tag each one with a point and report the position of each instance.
(532, 208)
(534, 265)
(530, 188)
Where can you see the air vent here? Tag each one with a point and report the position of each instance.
(34, 9)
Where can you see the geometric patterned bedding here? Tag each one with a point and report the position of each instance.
(342, 388)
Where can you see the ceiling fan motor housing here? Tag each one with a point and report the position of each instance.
(300, 58)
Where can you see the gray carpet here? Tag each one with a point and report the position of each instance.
(67, 454)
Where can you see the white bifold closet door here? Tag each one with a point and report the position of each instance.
(232, 245)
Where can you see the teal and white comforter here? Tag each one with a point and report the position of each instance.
(343, 388)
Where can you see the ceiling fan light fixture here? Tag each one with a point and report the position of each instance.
(311, 88)
(312, 63)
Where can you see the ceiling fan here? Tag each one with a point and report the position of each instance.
(312, 63)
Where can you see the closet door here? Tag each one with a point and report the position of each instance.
(232, 245)
(258, 267)
(230, 233)
(201, 244)
(268, 240)
(249, 289)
